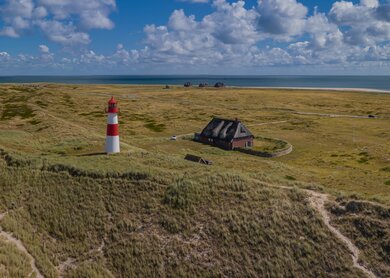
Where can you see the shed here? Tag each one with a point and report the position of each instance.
(197, 159)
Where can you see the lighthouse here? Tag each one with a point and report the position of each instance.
(112, 137)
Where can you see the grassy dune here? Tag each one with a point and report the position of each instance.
(13, 263)
(148, 212)
(217, 224)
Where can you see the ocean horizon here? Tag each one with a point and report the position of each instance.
(300, 81)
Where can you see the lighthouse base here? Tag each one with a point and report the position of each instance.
(112, 144)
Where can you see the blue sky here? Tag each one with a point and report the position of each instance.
(194, 37)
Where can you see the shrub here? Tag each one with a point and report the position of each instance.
(290, 178)
(180, 195)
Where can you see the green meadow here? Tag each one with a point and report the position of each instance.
(147, 212)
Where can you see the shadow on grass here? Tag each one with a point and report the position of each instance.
(92, 154)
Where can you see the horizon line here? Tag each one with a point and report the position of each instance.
(190, 75)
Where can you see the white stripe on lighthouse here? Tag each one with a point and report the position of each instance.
(112, 119)
(112, 144)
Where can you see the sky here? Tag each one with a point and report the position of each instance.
(275, 37)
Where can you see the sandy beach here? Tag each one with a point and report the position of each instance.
(362, 90)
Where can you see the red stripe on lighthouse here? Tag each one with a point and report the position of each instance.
(113, 130)
(113, 110)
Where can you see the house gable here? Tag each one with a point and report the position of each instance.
(242, 131)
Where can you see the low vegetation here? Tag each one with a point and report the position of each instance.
(148, 212)
(13, 263)
(368, 225)
(176, 227)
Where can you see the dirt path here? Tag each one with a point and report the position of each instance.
(72, 263)
(334, 115)
(317, 201)
(69, 263)
(268, 123)
(10, 238)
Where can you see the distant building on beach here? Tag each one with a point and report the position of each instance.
(219, 85)
(226, 134)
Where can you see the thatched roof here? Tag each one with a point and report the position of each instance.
(225, 130)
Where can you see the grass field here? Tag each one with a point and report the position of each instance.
(149, 212)
(347, 155)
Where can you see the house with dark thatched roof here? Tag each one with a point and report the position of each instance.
(226, 134)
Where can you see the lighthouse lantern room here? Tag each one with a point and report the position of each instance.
(112, 138)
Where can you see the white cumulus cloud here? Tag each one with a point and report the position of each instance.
(232, 37)
(282, 18)
(365, 23)
(44, 49)
(62, 21)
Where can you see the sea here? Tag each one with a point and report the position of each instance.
(301, 81)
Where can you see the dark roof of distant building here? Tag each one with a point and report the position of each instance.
(225, 130)
(219, 85)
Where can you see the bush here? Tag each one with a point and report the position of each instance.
(180, 195)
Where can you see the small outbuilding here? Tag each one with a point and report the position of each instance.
(198, 159)
(226, 134)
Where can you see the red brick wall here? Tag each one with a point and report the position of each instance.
(237, 143)
(241, 143)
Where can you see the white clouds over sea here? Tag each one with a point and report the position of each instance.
(274, 33)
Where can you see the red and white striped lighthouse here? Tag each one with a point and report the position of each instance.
(112, 138)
